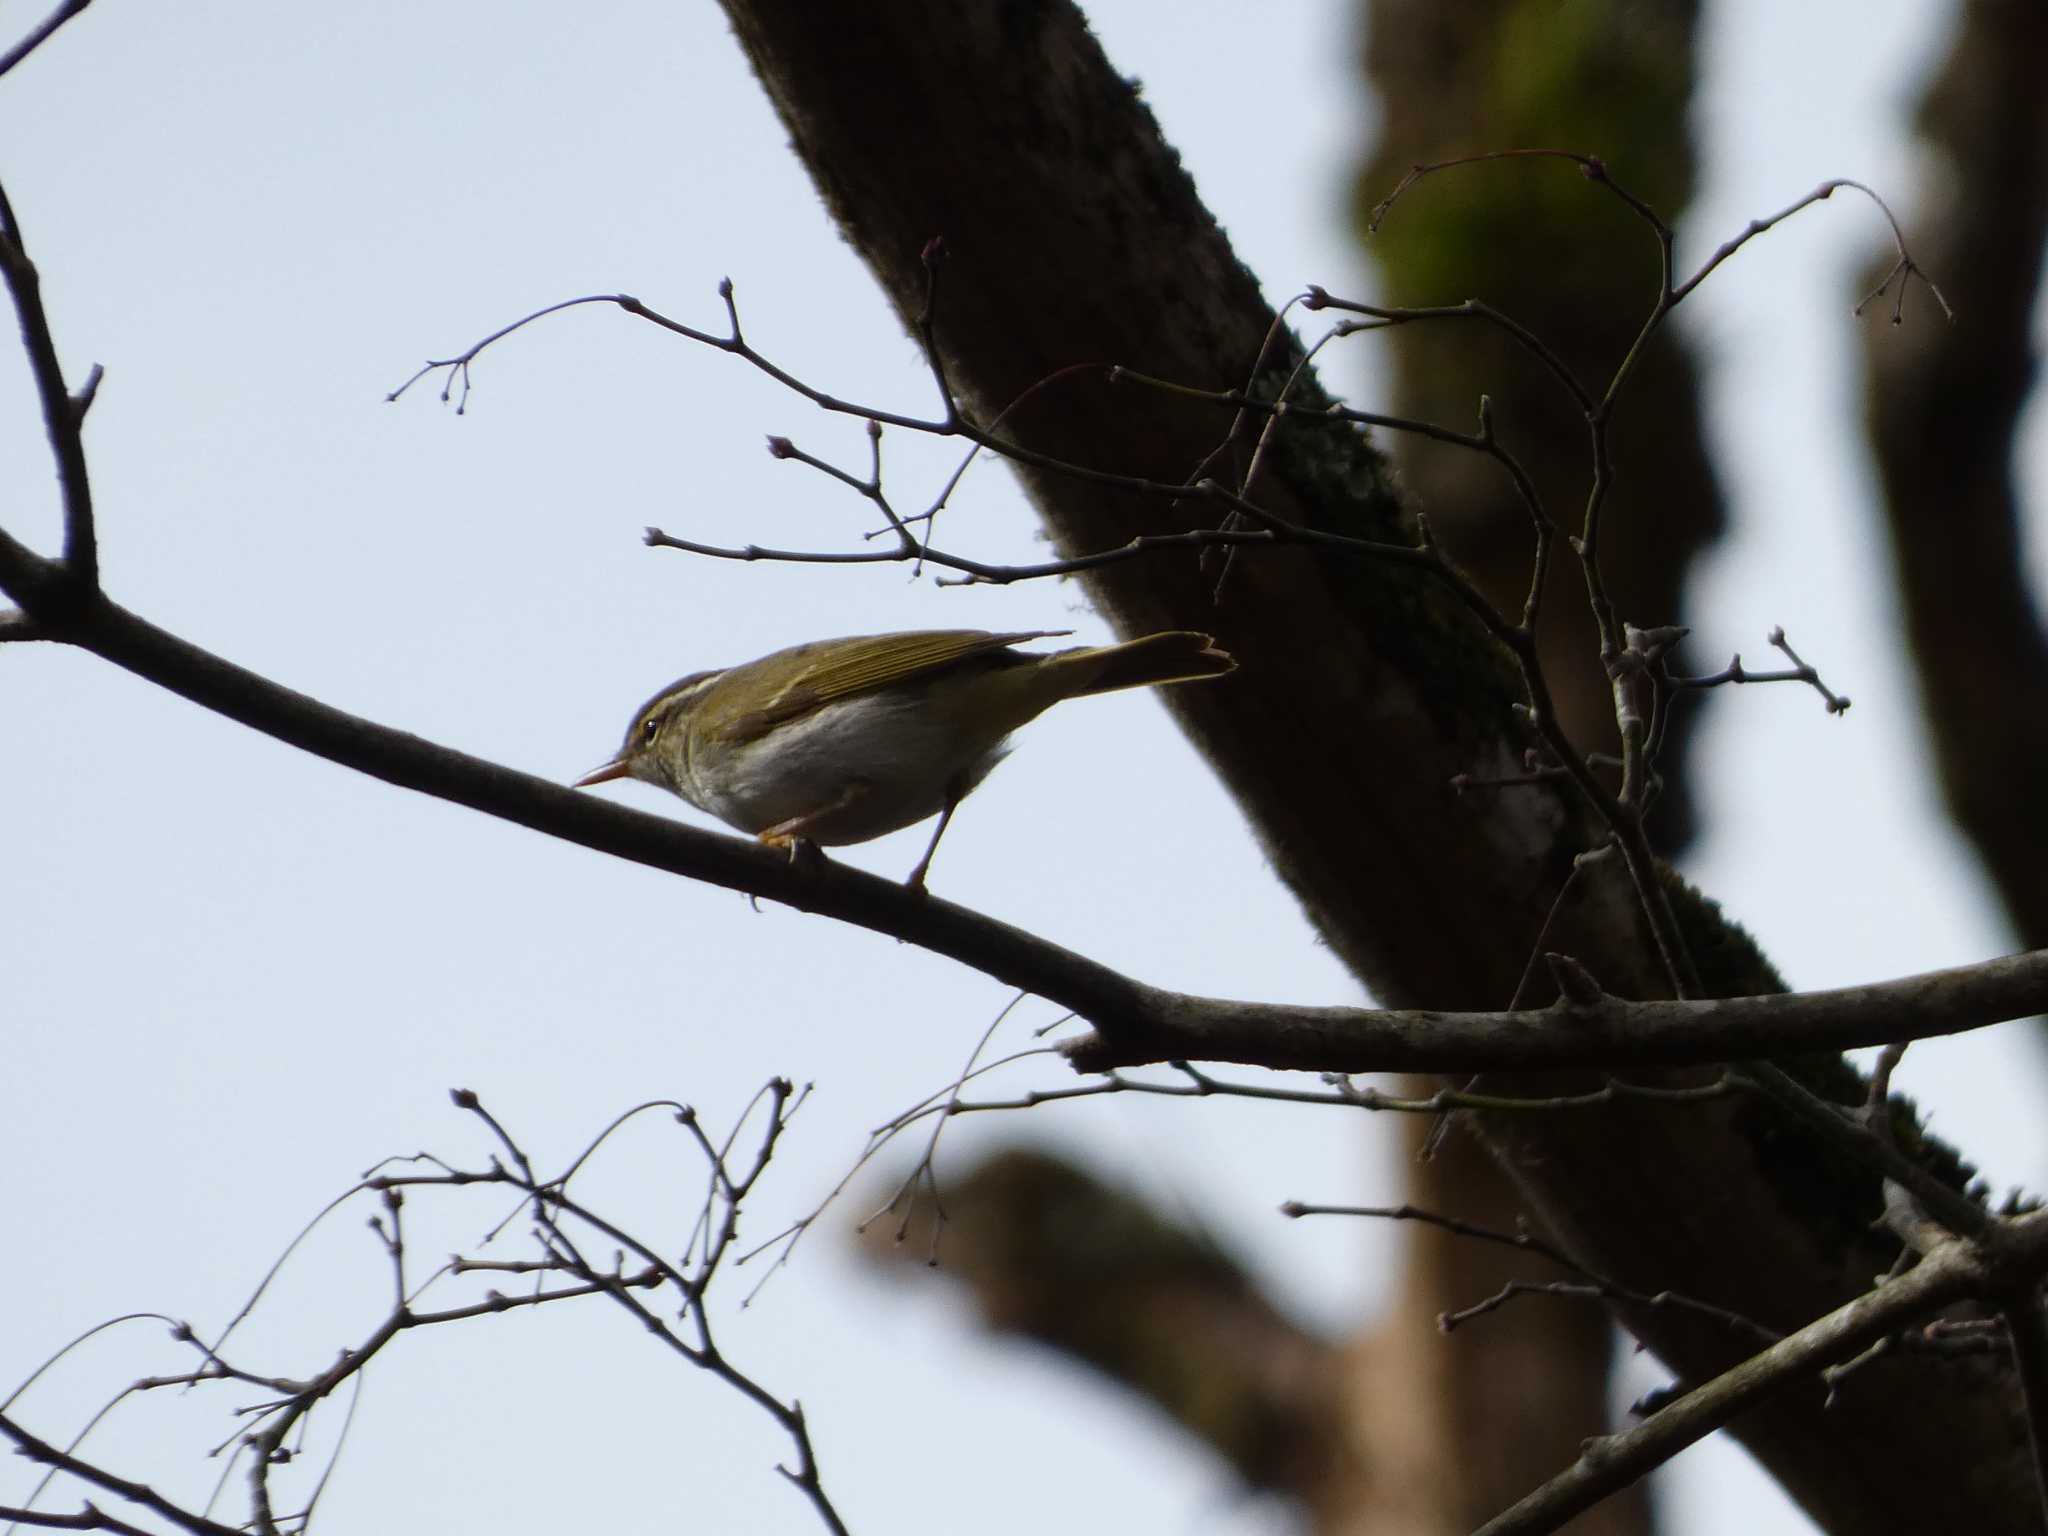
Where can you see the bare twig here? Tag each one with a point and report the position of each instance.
(273, 1431)
(925, 1172)
(1903, 268)
(1595, 1285)
(1344, 1094)
(1798, 672)
(984, 572)
(1623, 812)
(1472, 309)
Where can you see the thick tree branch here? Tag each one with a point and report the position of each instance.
(1133, 1022)
(1608, 1032)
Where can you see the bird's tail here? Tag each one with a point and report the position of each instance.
(1171, 656)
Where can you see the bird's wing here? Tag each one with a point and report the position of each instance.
(836, 669)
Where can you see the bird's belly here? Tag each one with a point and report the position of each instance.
(857, 769)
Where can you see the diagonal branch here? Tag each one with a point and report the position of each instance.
(38, 1450)
(41, 33)
(1133, 1022)
(1952, 1274)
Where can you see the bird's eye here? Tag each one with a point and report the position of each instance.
(649, 729)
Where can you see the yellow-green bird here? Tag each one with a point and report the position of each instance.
(839, 741)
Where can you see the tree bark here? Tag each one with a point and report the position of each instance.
(1943, 402)
(1074, 235)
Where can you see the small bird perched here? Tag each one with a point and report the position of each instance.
(839, 741)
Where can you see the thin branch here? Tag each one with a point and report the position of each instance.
(1612, 1462)
(925, 1171)
(735, 343)
(273, 1433)
(1278, 410)
(1343, 1094)
(1903, 268)
(933, 259)
(1471, 309)
(90, 1517)
(1623, 811)
(65, 1349)
(1592, 167)
(1523, 1240)
(1799, 672)
(42, 1452)
(973, 570)
(41, 33)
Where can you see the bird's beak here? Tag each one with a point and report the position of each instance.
(615, 769)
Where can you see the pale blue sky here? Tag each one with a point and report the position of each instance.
(237, 976)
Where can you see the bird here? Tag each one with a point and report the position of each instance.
(838, 741)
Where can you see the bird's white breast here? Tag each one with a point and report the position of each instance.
(881, 760)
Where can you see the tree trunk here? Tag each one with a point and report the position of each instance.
(1075, 236)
